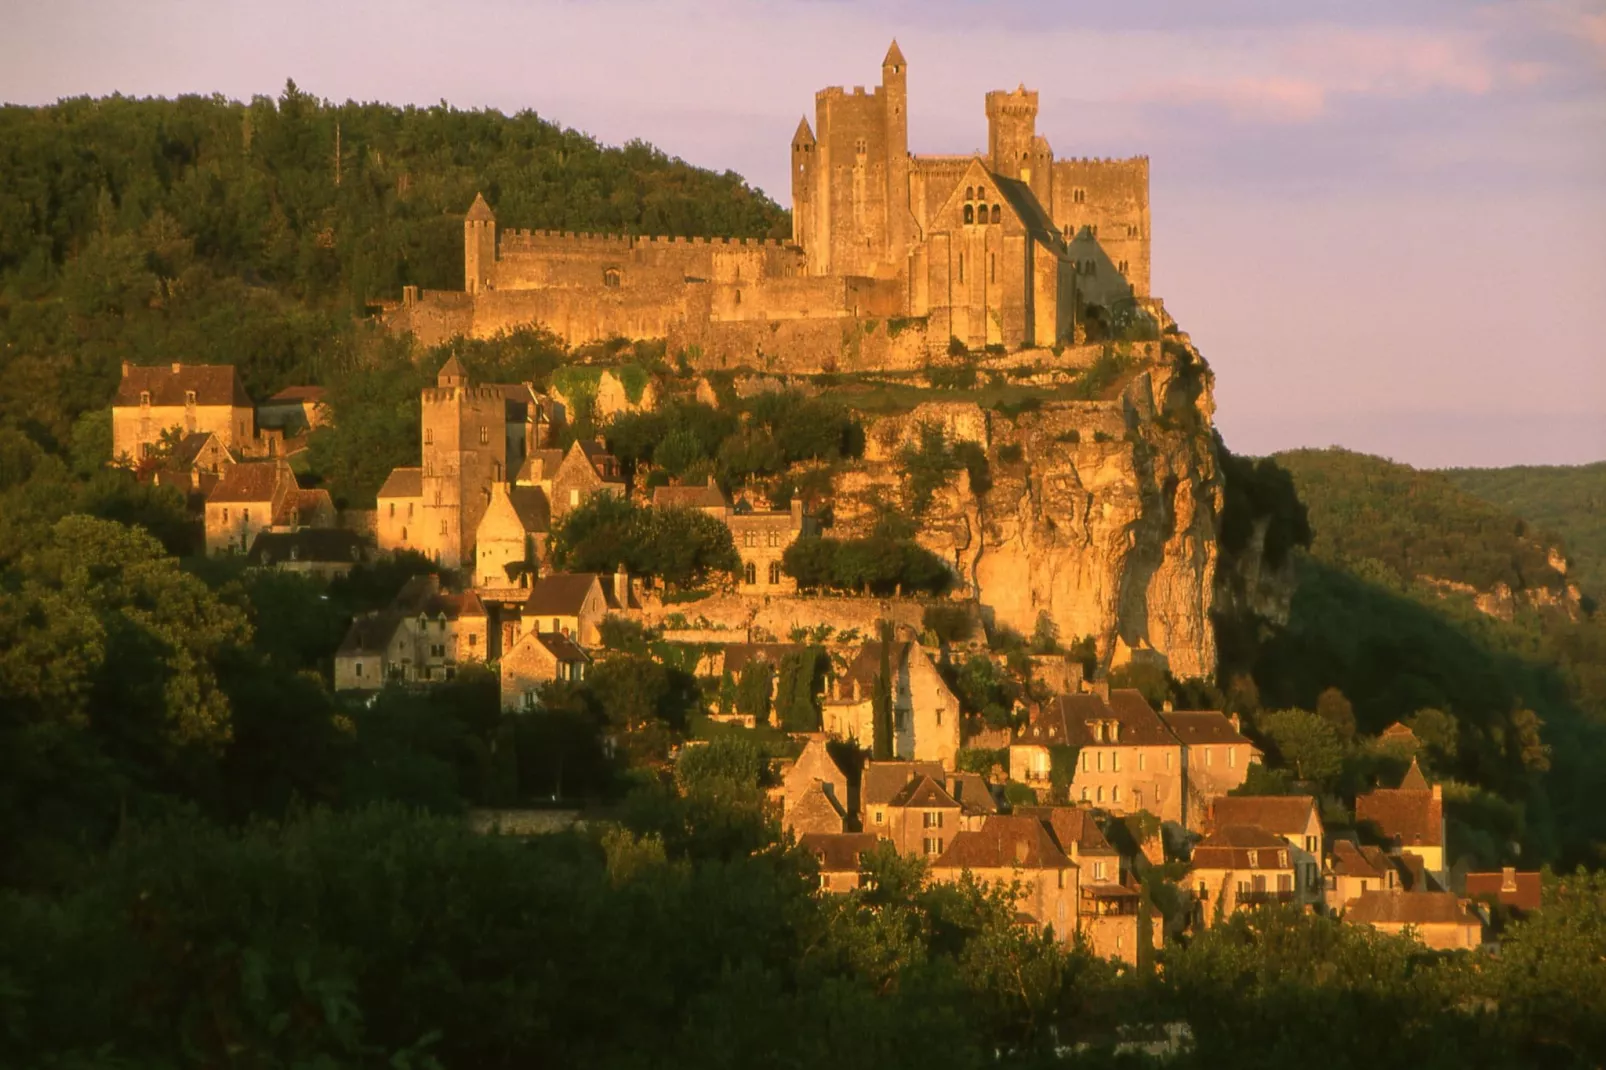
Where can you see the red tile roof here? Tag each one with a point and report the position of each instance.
(1066, 720)
(1412, 818)
(883, 780)
(1239, 847)
(838, 852)
(560, 594)
(169, 384)
(1005, 841)
(1198, 727)
(696, 496)
(1072, 825)
(403, 483)
(253, 481)
(1408, 908)
(1350, 860)
(1286, 815)
(924, 793)
(1518, 890)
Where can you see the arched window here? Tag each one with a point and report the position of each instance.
(775, 572)
(970, 193)
(610, 278)
(750, 573)
(998, 216)
(970, 214)
(981, 193)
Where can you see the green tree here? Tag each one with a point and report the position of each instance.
(1335, 709)
(1305, 741)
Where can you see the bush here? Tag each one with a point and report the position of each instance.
(948, 622)
(678, 546)
(876, 565)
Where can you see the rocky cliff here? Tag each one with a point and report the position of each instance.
(1100, 514)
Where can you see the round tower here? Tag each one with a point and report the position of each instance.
(804, 171)
(895, 94)
(479, 246)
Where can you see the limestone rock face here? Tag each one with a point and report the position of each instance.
(1101, 514)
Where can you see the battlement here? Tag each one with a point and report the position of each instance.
(514, 241)
(438, 395)
(1128, 160)
(836, 92)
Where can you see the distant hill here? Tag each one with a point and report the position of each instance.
(1567, 501)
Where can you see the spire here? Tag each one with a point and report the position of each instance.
(1414, 780)
(804, 135)
(479, 211)
(894, 56)
(451, 373)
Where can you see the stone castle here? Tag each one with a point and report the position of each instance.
(995, 249)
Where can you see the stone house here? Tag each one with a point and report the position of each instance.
(1009, 848)
(1216, 756)
(816, 772)
(762, 537)
(1107, 903)
(974, 796)
(841, 857)
(1410, 817)
(196, 464)
(879, 782)
(182, 398)
(572, 604)
(1237, 867)
(925, 713)
(921, 818)
(537, 659)
(294, 411)
(322, 553)
(423, 636)
(703, 497)
(256, 496)
(511, 539)
(1440, 920)
(1296, 818)
(1354, 870)
(570, 479)
(1126, 758)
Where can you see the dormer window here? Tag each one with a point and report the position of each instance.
(1115, 731)
(189, 397)
(1254, 859)
(145, 399)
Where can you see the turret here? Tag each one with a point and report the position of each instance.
(1011, 130)
(803, 179)
(895, 91)
(479, 246)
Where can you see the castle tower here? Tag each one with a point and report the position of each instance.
(803, 178)
(479, 246)
(895, 95)
(1011, 130)
(464, 454)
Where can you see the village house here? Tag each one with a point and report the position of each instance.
(1010, 848)
(1410, 817)
(1354, 870)
(322, 553)
(537, 659)
(1108, 903)
(569, 478)
(921, 818)
(423, 636)
(293, 411)
(1296, 818)
(1240, 866)
(974, 796)
(572, 604)
(816, 772)
(1126, 759)
(511, 539)
(1439, 919)
(195, 464)
(925, 713)
(879, 782)
(180, 398)
(841, 857)
(761, 536)
(1216, 756)
(256, 496)
(703, 497)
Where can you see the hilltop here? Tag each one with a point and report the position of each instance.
(1568, 501)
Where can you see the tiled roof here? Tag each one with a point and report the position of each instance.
(1519, 890)
(452, 369)
(1072, 825)
(189, 449)
(1350, 860)
(1398, 731)
(1413, 779)
(479, 211)
(562, 647)
(539, 465)
(1286, 815)
(422, 596)
(1412, 817)
(316, 545)
(924, 793)
(882, 780)
(1408, 908)
(739, 655)
(169, 384)
(1003, 842)
(1231, 848)
(403, 483)
(370, 634)
(864, 667)
(559, 593)
(299, 503)
(1198, 727)
(297, 393)
(252, 481)
(1066, 718)
(970, 790)
(838, 852)
(533, 510)
(696, 496)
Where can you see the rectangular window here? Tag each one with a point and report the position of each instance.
(245, 515)
(1115, 761)
(485, 435)
(1143, 761)
(359, 668)
(1098, 760)
(1098, 871)
(1084, 761)
(1168, 761)
(1232, 757)
(1208, 756)
(878, 816)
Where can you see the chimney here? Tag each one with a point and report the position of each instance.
(1022, 848)
(1237, 723)
(1508, 878)
(797, 512)
(1101, 688)
(855, 689)
(621, 587)
(128, 366)
(1438, 792)
(176, 367)
(1165, 707)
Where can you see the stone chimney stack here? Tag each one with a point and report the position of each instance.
(1438, 792)
(128, 366)
(621, 587)
(176, 367)
(1237, 723)
(1508, 878)
(796, 508)
(1165, 707)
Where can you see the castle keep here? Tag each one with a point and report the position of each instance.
(992, 249)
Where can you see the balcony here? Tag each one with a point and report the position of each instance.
(1263, 898)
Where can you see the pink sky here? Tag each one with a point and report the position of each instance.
(1383, 222)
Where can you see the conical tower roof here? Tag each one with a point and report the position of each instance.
(479, 211)
(805, 134)
(894, 56)
(451, 372)
(1414, 780)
